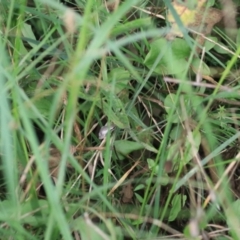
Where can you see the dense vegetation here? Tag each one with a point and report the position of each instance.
(119, 119)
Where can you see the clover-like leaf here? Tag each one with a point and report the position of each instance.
(168, 58)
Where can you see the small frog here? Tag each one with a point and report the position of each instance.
(104, 130)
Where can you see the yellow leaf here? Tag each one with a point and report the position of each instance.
(192, 17)
(186, 14)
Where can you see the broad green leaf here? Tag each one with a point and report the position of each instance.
(28, 33)
(171, 57)
(170, 102)
(195, 101)
(177, 203)
(192, 103)
(201, 67)
(139, 198)
(119, 74)
(139, 187)
(176, 132)
(180, 48)
(220, 49)
(121, 77)
(209, 44)
(125, 147)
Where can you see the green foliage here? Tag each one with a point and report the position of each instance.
(200, 67)
(172, 102)
(210, 44)
(191, 144)
(168, 58)
(177, 203)
(125, 147)
(70, 68)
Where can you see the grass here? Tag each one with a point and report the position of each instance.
(168, 168)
